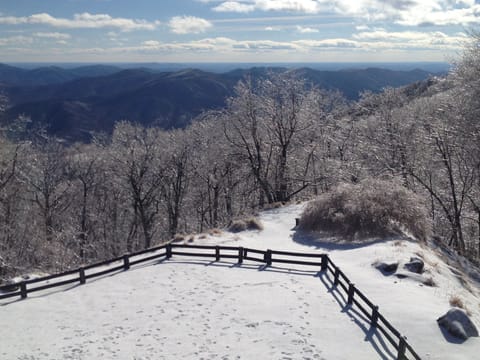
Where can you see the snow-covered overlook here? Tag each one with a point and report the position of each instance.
(194, 309)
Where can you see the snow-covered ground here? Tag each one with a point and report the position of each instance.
(186, 308)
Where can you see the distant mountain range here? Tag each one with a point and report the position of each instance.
(74, 102)
(16, 76)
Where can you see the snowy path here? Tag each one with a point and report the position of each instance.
(190, 309)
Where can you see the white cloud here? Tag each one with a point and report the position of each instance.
(189, 25)
(411, 39)
(52, 35)
(218, 44)
(16, 40)
(263, 45)
(452, 16)
(328, 43)
(303, 6)
(403, 12)
(271, 28)
(84, 20)
(466, 2)
(306, 30)
(366, 46)
(413, 12)
(234, 6)
(362, 27)
(151, 43)
(398, 35)
(372, 42)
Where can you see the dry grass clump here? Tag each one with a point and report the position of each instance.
(215, 232)
(245, 224)
(372, 208)
(456, 301)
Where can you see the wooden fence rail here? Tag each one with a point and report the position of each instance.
(340, 281)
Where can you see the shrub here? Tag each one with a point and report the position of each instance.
(373, 208)
(183, 238)
(245, 224)
(178, 238)
(237, 226)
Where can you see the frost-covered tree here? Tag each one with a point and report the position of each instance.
(134, 152)
(43, 171)
(175, 176)
(215, 173)
(270, 124)
(85, 167)
(385, 132)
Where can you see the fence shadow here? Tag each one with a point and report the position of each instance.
(312, 240)
(290, 270)
(372, 335)
(244, 266)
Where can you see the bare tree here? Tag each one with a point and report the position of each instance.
(133, 152)
(44, 172)
(386, 133)
(84, 168)
(175, 179)
(215, 173)
(266, 124)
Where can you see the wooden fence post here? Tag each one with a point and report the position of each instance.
(82, 276)
(268, 257)
(240, 255)
(324, 265)
(169, 251)
(23, 290)
(375, 316)
(336, 278)
(402, 347)
(126, 262)
(217, 253)
(351, 293)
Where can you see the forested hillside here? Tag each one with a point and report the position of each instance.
(277, 139)
(76, 103)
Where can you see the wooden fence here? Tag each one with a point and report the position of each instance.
(268, 257)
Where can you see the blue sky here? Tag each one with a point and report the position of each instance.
(234, 31)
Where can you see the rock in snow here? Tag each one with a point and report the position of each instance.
(415, 265)
(458, 324)
(386, 268)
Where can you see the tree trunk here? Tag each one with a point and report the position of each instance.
(216, 195)
(281, 194)
(83, 223)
